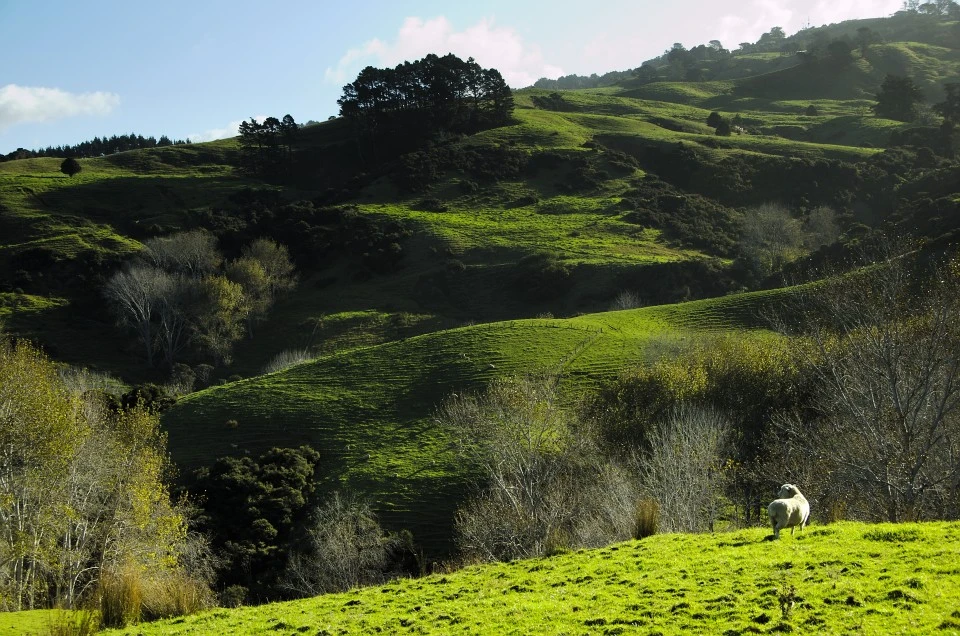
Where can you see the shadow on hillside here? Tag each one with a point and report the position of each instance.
(132, 203)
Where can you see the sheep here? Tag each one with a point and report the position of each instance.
(789, 510)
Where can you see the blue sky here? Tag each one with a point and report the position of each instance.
(72, 70)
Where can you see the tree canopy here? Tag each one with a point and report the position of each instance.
(898, 98)
(96, 147)
(70, 166)
(426, 96)
(267, 147)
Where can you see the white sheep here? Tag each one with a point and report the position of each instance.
(789, 510)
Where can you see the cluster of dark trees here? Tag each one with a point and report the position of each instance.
(899, 98)
(96, 147)
(266, 147)
(314, 233)
(399, 107)
(279, 535)
(567, 82)
(180, 294)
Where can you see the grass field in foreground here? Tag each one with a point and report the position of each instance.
(836, 579)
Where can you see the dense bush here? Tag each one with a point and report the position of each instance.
(251, 508)
(82, 491)
(690, 219)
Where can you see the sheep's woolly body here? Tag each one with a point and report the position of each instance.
(789, 510)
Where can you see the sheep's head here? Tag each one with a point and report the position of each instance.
(787, 491)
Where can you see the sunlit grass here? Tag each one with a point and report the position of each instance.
(835, 579)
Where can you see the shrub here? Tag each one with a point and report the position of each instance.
(344, 547)
(431, 205)
(626, 300)
(541, 276)
(233, 596)
(148, 396)
(647, 518)
(130, 594)
(456, 266)
(175, 594)
(121, 596)
(73, 623)
(541, 486)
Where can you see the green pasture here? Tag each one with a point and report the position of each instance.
(840, 578)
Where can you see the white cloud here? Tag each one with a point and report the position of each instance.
(22, 104)
(492, 46)
(759, 16)
(212, 134)
(763, 16)
(832, 11)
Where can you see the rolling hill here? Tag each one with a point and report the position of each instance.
(515, 241)
(369, 411)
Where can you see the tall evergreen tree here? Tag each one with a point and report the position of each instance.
(898, 98)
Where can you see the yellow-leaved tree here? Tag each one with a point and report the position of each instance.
(83, 493)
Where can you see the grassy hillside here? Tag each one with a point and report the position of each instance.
(835, 579)
(54, 228)
(369, 411)
(96, 219)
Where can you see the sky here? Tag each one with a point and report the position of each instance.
(71, 71)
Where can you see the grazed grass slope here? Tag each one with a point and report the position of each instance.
(369, 410)
(835, 579)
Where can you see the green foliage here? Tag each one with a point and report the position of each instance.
(392, 109)
(898, 98)
(82, 488)
(70, 167)
(251, 508)
(541, 276)
(266, 148)
(949, 108)
(400, 458)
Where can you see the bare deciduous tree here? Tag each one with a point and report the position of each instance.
(683, 469)
(885, 347)
(771, 235)
(136, 294)
(345, 547)
(541, 483)
(820, 227)
(192, 253)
